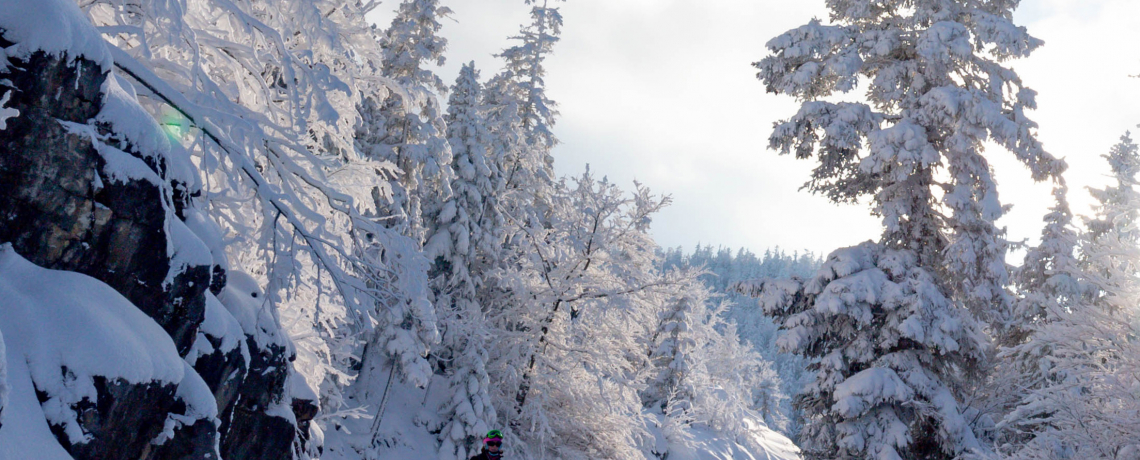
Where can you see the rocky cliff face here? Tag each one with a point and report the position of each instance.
(89, 184)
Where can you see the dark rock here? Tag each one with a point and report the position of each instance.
(217, 280)
(117, 428)
(258, 435)
(305, 410)
(249, 432)
(184, 306)
(223, 372)
(58, 214)
(190, 444)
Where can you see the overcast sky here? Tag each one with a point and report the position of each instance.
(663, 92)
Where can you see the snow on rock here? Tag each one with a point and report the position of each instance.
(220, 354)
(131, 123)
(244, 299)
(200, 405)
(79, 323)
(299, 388)
(221, 325)
(207, 231)
(83, 328)
(261, 423)
(186, 250)
(31, 438)
(122, 167)
(6, 112)
(304, 398)
(56, 27)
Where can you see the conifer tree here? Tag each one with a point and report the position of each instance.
(1049, 285)
(1083, 359)
(524, 116)
(699, 370)
(671, 346)
(465, 240)
(406, 132)
(406, 128)
(897, 325)
(1048, 279)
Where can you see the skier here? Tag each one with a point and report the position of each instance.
(492, 446)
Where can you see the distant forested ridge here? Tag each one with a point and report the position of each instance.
(724, 268)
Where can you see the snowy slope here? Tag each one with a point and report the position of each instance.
(761, 444)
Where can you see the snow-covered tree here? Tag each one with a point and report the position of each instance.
(700, 372)
(523, 116)
(1083, 398)
(1048, 279)
(406, 128)
(895, 324)
(469, 226)
(1048, 284)
(575, 308)
(265, 97)
(1117, 211)
(788, 372)
(466, 239)
(670, 352)
(888, 349)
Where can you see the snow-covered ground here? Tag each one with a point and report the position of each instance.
(410, 416)
(761, 444)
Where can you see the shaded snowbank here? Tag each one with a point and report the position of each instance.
(56, 27)
(60, 340)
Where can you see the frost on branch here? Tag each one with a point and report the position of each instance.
(265, 97)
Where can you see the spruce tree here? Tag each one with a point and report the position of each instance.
(1049, 286)
(671, 346)
(403, 130)
(465, 240)
(406, 128)
(524, 115)
(1083, 359)
(897, 326)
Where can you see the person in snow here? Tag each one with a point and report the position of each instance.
(492, 446)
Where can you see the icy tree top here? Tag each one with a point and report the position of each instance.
(412, 40)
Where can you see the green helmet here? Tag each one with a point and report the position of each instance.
(493, 434)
